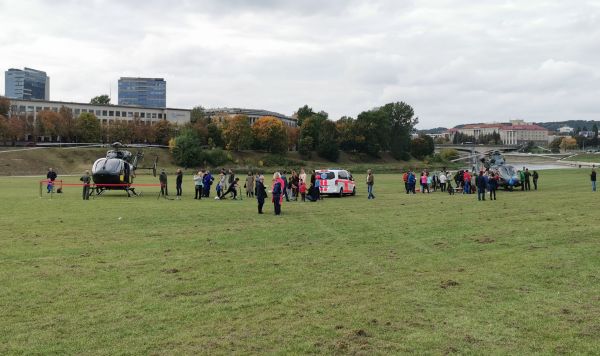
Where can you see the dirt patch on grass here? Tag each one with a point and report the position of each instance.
(449, 283)
(171, 270)
(485, 240)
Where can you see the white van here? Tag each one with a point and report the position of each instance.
(335, 181)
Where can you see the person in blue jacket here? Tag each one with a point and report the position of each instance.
(277, 192)
(412, 182)
(481, 183)
(493, 185)
(207, 182)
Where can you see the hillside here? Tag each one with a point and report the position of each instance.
(17, 162)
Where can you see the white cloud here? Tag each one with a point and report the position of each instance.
(453, 61)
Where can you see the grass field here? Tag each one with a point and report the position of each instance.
(426, 274)
(585, 157)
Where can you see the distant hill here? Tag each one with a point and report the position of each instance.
(437, 130)
(554, 126)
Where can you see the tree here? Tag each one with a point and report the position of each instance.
(215, 135)
(237, 133)
(100, 100)
(198, 114)
(402, 122)
(350, 137)
(270, 134)
(422, 146)
(293, 134)
(568, 143)
(327, 146)
(373, 126)
(187, 150)
(311, 127)
(304, 113)
(305, 146)
(555, 145)
(121, 132)
(68, 129)
(4, 106)
(163, 132)
(88, 128)
(50, 124)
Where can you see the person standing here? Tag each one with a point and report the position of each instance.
(261, 193)
(593, 179)
(86, 179)
(480, 182)
(412, 182)
(405, 180)
(277, 193)
(493, 185)
(303, 190)
(370, 183)
(442, 180)
(466, 182)
(207, 181)
(522, 178)
(285, 187)
(249, 185)
(302, 175)
(50, 177)
(535, 176)
(162, 178)
(198, 185)
(178, 183)
(527, 175)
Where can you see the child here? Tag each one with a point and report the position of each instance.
(303, 190)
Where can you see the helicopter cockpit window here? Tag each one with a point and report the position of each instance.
(107, 165)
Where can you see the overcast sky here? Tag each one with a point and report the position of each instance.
(454, 61)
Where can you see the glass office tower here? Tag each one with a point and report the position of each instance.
(26, 84)
(146, 92)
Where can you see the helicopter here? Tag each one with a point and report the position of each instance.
(508, 177)
(117, 170)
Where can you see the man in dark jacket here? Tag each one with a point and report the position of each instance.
(593, 179)
(481, 182)
(178, 183)
(162, 178)
(527, 179)
(261, 193)
(535, 176)
(493, 185)
(86, 179)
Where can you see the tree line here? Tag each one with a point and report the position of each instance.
(388, 128)
(385, 128)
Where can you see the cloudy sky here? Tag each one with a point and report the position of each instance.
(454, 61)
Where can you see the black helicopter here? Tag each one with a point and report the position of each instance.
(116, 171)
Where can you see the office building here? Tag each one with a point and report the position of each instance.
(107, 114)
(145, 92)
(515, 132)
(26, 84)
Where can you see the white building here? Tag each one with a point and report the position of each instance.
(565, 130)
(516, 132)
(107, 114)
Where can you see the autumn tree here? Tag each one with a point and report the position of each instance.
(270, 134)
(568, 143)
(215, 135)
(163, 132)
(293, 134)
(100, 100)
(237, 133)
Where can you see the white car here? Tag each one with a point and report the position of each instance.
(335, 181)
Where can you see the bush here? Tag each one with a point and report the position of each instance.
(448, 154)
(305, 146)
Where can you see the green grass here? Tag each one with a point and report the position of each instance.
(585, 157)
(425, 274)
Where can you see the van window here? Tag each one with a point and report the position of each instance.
(342, 175)
(326, 175)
